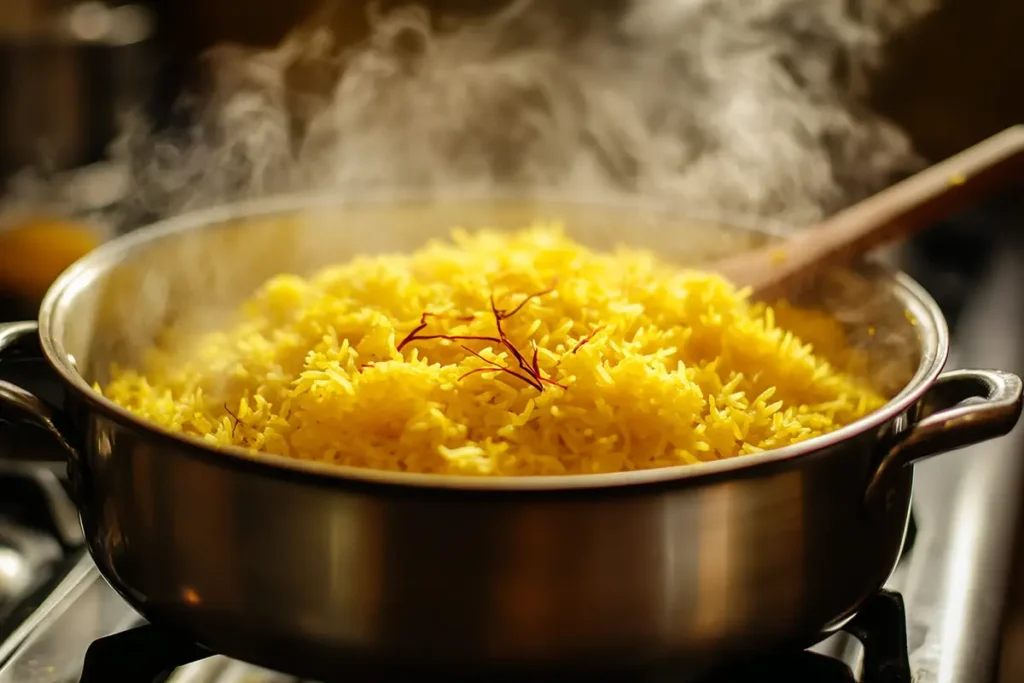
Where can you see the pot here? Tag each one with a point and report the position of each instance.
(70, 72)
(320, 571)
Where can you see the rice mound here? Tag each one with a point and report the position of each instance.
(638, 364)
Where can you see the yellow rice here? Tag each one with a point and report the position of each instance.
(660, 366)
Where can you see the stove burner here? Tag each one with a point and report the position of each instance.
(33, 496)
(149, 653)
(141, 654)
(24, 557)
(37, 524)
(881, 626)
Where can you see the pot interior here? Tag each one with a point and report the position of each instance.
(113, 305)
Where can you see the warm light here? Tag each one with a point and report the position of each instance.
(11, 565)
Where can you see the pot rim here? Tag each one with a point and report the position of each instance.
(933, 338)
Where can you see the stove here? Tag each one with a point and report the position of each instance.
(145, 653)
(28, 554)
(938, 619)
(85, 616)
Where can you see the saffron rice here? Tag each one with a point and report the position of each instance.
(630, 364)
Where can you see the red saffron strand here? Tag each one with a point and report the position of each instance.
(587, 338)
(235, 417)
(529, 298)
(537, 373)
(524, 365)
(533, 368)
(497, 367)
(409, 338)
(520, 359)
(478, 355)
(532, 381)
(531, 372)
(536, 363)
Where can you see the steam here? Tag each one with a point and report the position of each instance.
(734, 106)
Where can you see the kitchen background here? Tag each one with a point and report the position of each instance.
(71, 71)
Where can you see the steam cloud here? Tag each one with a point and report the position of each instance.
(717, 105)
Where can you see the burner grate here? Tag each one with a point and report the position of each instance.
(149, 653)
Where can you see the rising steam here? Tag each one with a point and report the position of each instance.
(718, 105)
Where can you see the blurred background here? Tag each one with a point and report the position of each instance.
(73, 74)
(71, 71)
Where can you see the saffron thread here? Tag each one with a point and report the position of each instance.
(234, 417)
(530, 370)
(586, 339)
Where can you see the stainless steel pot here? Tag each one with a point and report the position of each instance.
(317, 570)
(69, 71)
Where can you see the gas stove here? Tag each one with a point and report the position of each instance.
(30, 553)
(143, 652)
(939, 618)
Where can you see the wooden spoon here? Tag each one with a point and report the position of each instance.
(938, 192)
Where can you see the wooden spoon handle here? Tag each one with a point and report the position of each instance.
(938, 192)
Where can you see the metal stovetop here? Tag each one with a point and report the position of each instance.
(968, 505)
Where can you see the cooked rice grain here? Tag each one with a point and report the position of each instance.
(657, 366)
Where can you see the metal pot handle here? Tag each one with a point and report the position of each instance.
(21, 340)
(962, 407)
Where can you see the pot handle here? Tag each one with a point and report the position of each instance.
(962, 407)
(21, 341)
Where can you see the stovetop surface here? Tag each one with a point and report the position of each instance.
(143, 652)
(85, 610)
